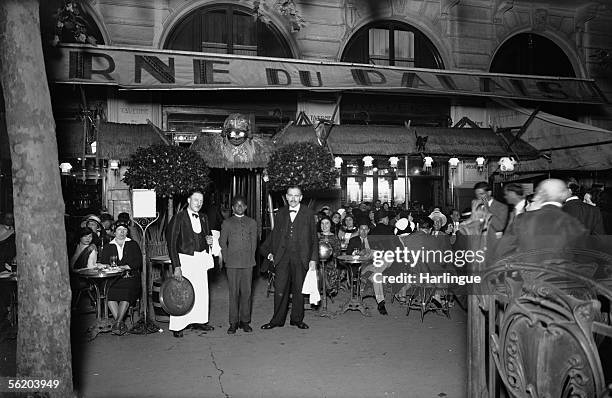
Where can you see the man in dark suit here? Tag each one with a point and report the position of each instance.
(238, 243)
(588, 215)
(515, 196)
(382, 224)
(293, 247)
(498, 210)
(189, 247)
(549, 228)
(364, 243)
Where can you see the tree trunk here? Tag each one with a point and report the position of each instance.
(43, 338)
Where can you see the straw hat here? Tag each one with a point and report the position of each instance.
(437, 214)
(91, 217)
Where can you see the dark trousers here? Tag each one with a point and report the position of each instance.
(239, 281)
(289, 279)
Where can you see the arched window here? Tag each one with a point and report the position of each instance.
(227, 29)
(532, 54)
(392, 43)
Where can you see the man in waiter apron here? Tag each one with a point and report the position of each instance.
(189, 247)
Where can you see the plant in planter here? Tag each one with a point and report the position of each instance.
(309, 166)
(169, 170)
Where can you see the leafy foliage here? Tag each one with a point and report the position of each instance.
(306, 165)
(69, 18)
(170, 170)
(286, 8)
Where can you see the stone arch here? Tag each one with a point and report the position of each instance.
(177, 15)
(565, 45)
(99, 20)
(428, 30)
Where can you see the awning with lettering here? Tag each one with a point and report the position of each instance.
(566, 144)
(398, 140)
(146, 69)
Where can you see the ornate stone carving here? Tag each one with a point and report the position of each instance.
(400, 7)
(540, 19)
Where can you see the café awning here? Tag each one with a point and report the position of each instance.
(565, 144)
(115, 140)
(399, 140)
(151, 69)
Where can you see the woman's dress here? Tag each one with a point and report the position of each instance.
(332, 279)
(127, 288)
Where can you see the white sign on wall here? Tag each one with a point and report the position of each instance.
(467, 175)
(125, 111)
(316, 110)
(144, 203)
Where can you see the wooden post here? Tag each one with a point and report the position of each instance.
(271, 211)
(406, 184)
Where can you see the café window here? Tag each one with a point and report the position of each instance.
(227, 29)
(392, 43)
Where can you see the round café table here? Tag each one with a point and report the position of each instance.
(101, 280)
(353, 265)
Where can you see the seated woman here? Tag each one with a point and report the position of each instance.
(332, 281)
(125, 291)
(348, 230)
(336, 223)
(93, 222)
(84, 256)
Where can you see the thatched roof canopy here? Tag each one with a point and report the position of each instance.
(253, 154)
(399, 140)
(115, 140)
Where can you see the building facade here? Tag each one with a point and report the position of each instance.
(570, 39)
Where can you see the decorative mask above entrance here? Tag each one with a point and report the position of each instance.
(237, 129)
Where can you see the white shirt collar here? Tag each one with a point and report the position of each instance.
(239, 216)
(114, 241)
(296, 208)
(520, 205)
(571, 198)
(551, 203)
(489, 202)
(191, 212)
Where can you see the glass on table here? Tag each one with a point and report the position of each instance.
(113, 261)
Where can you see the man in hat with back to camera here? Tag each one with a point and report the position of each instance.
(189, 247)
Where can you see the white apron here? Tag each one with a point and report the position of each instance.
(195, 269)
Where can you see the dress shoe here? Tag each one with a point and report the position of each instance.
(269, 326)
(246, 327)
(178, 333)
(381, 308)
(300, 325)
(203, 327)
(232, 329)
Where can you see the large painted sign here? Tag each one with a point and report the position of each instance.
(131, 68)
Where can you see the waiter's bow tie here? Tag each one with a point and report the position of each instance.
(195, 215)
(292, 211)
